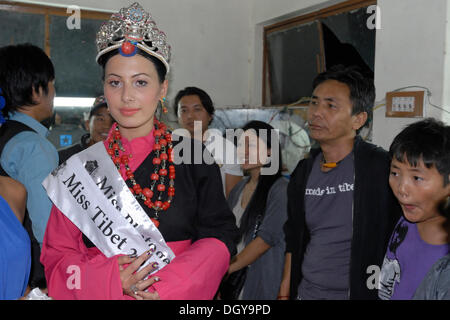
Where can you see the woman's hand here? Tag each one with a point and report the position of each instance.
(133, 282)
(142, 285)
(144, 295)
(255, 249)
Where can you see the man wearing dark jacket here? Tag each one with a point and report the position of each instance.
(341, 210)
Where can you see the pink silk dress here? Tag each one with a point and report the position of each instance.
(74, 271)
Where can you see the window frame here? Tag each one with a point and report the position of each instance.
(315, 16)
(47, 12)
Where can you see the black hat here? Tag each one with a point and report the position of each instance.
(100, 102)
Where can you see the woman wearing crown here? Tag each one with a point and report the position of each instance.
(195, 223)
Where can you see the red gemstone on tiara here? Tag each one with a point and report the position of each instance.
(127, 47)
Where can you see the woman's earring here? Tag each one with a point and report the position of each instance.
(163, 105)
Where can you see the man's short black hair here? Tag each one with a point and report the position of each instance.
(427, 140)
(194, 91)
(362, 88)
(23, 67)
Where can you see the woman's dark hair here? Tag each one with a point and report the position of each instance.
(257, 205)
(194, 91)
(159, 66)
(362, 88)
(427, 140)
(23, 68)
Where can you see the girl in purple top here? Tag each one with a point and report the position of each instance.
(420, 180)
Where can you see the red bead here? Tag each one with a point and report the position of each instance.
(111, 152)
(116, 160)
(115, 146)
(161, 187)
(172, 168)
(157, 133)
(136, 187)
(156, 147)
(171, 189)
(148, 203)
(154, 176)
(170, 193)
(163, 142)
(127, 47)
(129, 174)
(163, 156)
(172, 175)
(155, 222)
(147, 193)
(124, 159)
(131, 189)
(158, 204)
(156, 161)
(116, 134)
(166, 205)
(168, 137)
(163, 172)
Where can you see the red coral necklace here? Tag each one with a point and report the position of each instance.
(163, 159)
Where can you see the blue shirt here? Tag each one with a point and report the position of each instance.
(29, 158)
(15, 254)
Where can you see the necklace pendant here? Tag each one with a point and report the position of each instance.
(330, 165)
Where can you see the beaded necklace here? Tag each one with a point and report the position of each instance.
(163, 159)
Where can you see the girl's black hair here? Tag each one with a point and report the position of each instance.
(257, 205)
(23, 68)
(160, 67)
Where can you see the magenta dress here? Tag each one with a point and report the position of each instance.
(201, 242)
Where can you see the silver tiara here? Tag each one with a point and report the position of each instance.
(136, 26)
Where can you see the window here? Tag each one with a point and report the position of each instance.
(72, 50)
(298, 49)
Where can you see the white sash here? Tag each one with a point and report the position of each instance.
(89, 190)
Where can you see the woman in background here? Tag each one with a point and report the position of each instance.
(259, 203)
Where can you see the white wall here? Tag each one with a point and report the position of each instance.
(410, 50)
(446, 94)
